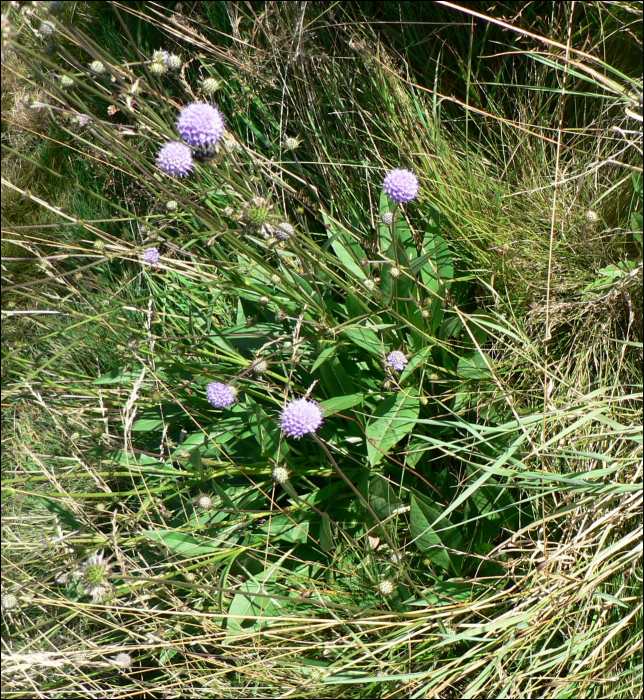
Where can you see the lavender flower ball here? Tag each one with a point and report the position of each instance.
(201, 125)
(301, 417)
(401, 185)
(175, 159)
(397, 360)
(151, 256)
(219, 395)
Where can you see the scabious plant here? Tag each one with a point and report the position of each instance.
(284, 231)
(151, 256)
(201, 125)
(301, 417)
(256, 215)
(205, 502)
(9, 601)
(47, 29)
(161, 56)
(98, 67)
(397, 360)
(220, 395)
(175, 159)
(94, 573)
(122, 660)
(209, 86)
(279, 475)
(386, 588)
(401, 185)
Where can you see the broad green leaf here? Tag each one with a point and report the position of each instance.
(246, 605)
(473, 367)
(341, 403)
(65, 515)
(347, 249)
(190, 545)
(285, 528)
(152, 419)
(367, 339)
(435, 535)
(122, 375)
(439, 267)
(382, 497)
(324, 355)
(335, 379)
(394, 418)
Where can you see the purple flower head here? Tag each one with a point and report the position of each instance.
(401, 185)
(161, 56)
(201, 125)
(301, 417)
(220, 395)
(151, 256)
(175, 159)
(397, 360)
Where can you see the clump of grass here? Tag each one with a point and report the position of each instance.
(342, 522)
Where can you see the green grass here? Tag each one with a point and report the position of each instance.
(496, 482)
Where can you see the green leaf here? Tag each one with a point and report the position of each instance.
(439, 266)
(394, 418)
(324, 355)
(473, 367)
(435, 535)
(65, 515)
(341, 403)
(189, 545)
(327, 542)
(366, 339)
(152, 419)
(246, 605)
(196, 462)
(129, 374)
(382, 497)
(285, 528)
(347, 249)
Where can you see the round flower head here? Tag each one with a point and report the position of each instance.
(219, 395)
(279, 475)
(301, 417)
(161, 56)
(397, 360)
(210, 86)
(122, 660)
(201, 125)
(94, 574)
(151, 256)
(97, 67)
(158, 68)
(401, 185)
(175, 159)
(386, 588)
(47, 29)
(205, 502)
(284, 231)
(9, 601)
(55, 7)
(174, 62)
(260, 367)
(291, 143)
(387, 218)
